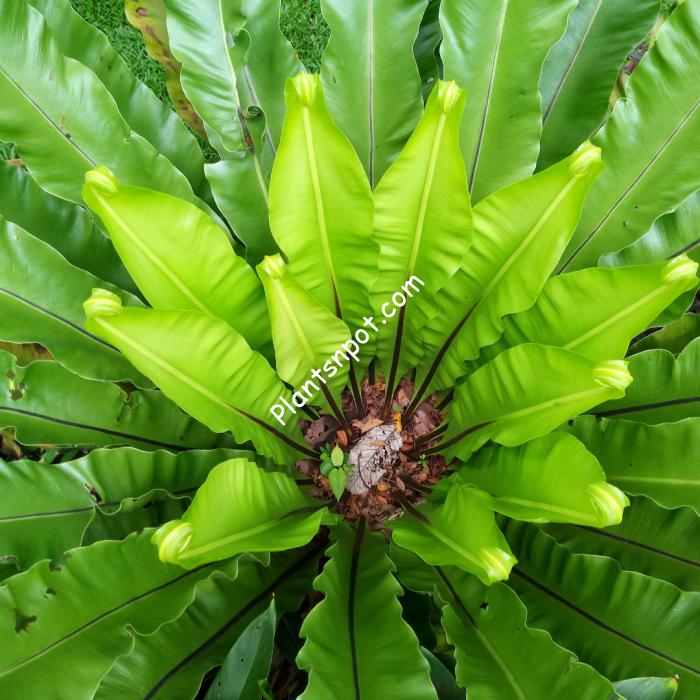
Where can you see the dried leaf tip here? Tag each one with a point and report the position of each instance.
(273, 265)
(613, 374)
(102, 303)
(680, 268)
(306, 85)
(172, 539)
(608, 501)
(582, 159)
(103, 180)
(448, 95)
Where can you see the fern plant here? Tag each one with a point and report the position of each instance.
(426, 228)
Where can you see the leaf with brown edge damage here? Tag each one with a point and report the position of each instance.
(148, 16)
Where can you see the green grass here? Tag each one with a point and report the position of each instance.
(301, 22)
(108, 16)
(7, 151)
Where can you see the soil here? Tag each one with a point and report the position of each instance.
(408, 477)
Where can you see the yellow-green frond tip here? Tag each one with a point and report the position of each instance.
(608, 501)
(613, 374)
(102, 303)
(103, 180)
(497, 563)
(172, 539)
(448, 94)
(273, 265)
(583, 157)
(680, 268)
(306, 85)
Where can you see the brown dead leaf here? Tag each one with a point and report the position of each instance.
(321, 431)
(304, 466)
(421, 476)
(430, 410)
(438, 465)
(372, 456)
(381, 500)
(342, 437)
(403, 457)
(422, 423)
(408, 389)
(433, 480)
(371, 424)
(401, 394)
(400, 484)
(382, 487)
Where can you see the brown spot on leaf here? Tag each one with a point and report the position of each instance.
(16, 392)
(142, 11)
(94, 493)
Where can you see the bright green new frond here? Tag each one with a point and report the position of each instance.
(552, 478)
(256, 511)
(459, 531)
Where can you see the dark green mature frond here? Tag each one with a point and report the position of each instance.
(307, 295)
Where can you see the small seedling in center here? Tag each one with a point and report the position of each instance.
(334, 465)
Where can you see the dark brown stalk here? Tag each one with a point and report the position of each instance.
(336, 411)
(356, 391)
(419, 393)
(391, 379)
(432, 435)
